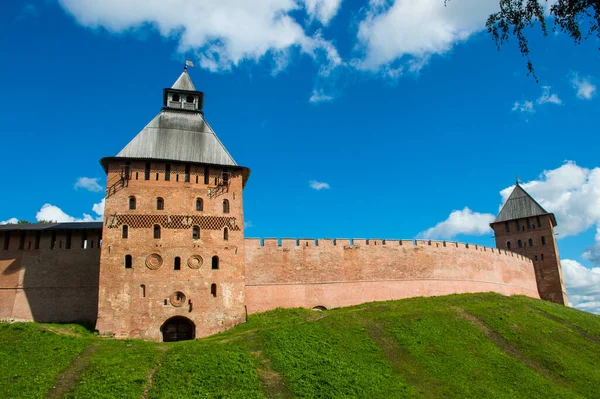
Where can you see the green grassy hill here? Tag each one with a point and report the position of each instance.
(482, 345)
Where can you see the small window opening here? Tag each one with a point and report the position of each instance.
(528, 224)
(225, 206)
(176, 97)
(131, 203)
(199, 204)
(157, 174)
(520, 244)
(38, 236)
(206, 177)
(6, 240)
(137, 175)
(507, 226)
(215, 262)
(22, 240)
(177, 177)
(542, 255)
(60, 244)
(84, 240)
(53, 240)
(160, 204)
(142, 291)
(508, 244)
(543, 240)
(156, 231)
(196, 179)
(147, 172)
(167, 172)
(128, 261)
(68, 240)
(187, 174)
(177, 263)
(226, 234)
(225, 175)
(29, 245)
(539, 221)
(196, 233)
(530, 242)
(536, 257)
(189, 99)
(518, 225)
(125, 231)
(92, 244)
(213, 290)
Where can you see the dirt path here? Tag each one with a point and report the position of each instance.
(272, 382)
(570, 326)
(68, 378)
(151, 373)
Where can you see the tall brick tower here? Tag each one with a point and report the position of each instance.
(524, 227)
(172, 259)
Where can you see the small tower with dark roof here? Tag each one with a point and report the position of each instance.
(172, 259)
(525, 227)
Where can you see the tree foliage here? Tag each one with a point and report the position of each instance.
(579, 19)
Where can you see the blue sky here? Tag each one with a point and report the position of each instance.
(406, 110)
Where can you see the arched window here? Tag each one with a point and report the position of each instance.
(142, 291)
(543, 240)
(131, 203)
(189, 99)
(125, 231)
(156, 231)
(177, 263)
(225, 206)
(215, 262)
(128, 261)
(176, 97)
(160, 204)
(196, 233)
(508, 244)
(530, 242)
(199, 204)
(226, 234)
(520, 244)
(213, 290)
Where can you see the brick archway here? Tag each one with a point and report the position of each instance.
(178, 328)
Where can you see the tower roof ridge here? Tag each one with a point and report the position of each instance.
(520, 204)
(184, 82)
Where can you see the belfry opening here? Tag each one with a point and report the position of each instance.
(178, 328)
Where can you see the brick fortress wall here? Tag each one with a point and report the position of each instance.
(50, 285)
(335, 273)
(135, 302)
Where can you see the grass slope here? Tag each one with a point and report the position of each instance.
(464, 346)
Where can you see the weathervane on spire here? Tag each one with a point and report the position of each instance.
(518, 180)
(188, 63)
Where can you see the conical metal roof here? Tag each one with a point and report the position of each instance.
(521, 205)
(184, 82)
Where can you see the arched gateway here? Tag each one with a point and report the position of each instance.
(178, 329)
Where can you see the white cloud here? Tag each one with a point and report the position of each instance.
(318, 185)
(414, 30)
(88, 183)
(318, 96)
(10, 221)
(525, 106)
(221, 33)
(461, 222)
(548, 97)
(248, 224)
(55, 214)
(585, 89)
(583, 285)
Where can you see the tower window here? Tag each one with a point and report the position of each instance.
(125, 232)
(177, 263)
(196, 233)
(215, 262)
(519, 244)
(84, 240)
(539, 221)
(199, 204)
(38, 236)
(128, 262)
(542, 255)
(160, 204)
(206, 177)
(176, 97)
(530, 242)
(508, 244)
(226, 234)
(147, 172)
(22, 240)
(518, 225)
(536, 258)
(187, 174)
(52, 240)
(528, 224)
(189, 99)
(213, 290)
(156, 231)
(131, 203)
(6, 240)
(507, 227)
(225, 206)
(142, 291)
(167, 172)
(543, 240)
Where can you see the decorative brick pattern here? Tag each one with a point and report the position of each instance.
(173, 222)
